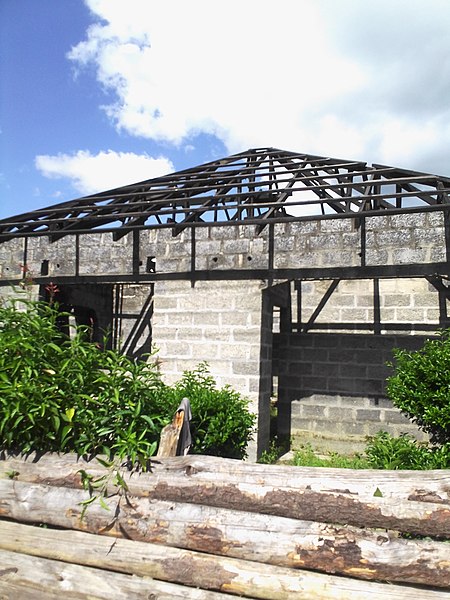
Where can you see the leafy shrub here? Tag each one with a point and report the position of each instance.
(60, 394)
(221, 422)
(441, 457)
(420, 386)
(385, 451)
(277, 448)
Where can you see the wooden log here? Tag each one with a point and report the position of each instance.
(170, 435)
(197, 570)
(424, 486)
(192, 479)
(416, 517)
(27, 577)
(376, 555)
(338, 505)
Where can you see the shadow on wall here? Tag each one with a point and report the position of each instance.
(110, 319)
(313, 366)
(139, 339)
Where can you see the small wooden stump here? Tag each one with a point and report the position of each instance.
(170, 436)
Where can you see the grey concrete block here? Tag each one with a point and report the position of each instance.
(284, 244)
(368, 414)
(371, 428)
(211, 319)
(315, 383)
(353, 428)
(344, 385)
(204, 352)
(332, 241)
(313, 412)
(329, 370)
(377, 256)
(394, 416)
(299, 424)
(381, 403)
(412, 220)
(240, 367)
(340, 414)
(350, 370)
(237, 246)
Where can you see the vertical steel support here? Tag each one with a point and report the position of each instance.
(77, 254)
(193, 256)
(363, 241)
(271, 258)
(376, 307)
(25, 258)
(447, 232)
(298, 287)
(136, 251)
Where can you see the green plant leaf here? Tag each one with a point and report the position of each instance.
(103, 504)
(105, 463)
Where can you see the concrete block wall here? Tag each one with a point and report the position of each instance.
(407, 238)
(60, 256)
(11, 259)
(402, 301)
(222, 323)
(308, 244)
(332, 386)
(390, 240)
(343, 423)
(229, 323)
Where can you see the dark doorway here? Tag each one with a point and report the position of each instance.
(90, 305)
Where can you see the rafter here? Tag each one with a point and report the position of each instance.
(260, 185)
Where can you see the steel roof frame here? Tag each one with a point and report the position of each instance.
(259, 186)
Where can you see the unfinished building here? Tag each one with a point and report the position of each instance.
(289, 274)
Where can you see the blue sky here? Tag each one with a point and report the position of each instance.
(99, 93)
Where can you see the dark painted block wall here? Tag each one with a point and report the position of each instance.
(333, 366)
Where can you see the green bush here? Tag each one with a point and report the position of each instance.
(221, 422)
(277, 448)
(420, 387)
(60, 394)
(385, 451)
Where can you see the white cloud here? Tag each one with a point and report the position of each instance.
(106, 170)
(354, 79)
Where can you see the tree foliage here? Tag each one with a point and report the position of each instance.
(420, 387)
(65, 394)
(385, 451)
(221, 423)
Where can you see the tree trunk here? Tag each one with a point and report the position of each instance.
(376, 555)
(423, 486)
(33, 578)
(269, 492)
(195, 570)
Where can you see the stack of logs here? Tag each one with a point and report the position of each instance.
(208, 528)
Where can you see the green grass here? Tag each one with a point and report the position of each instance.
(306, 457)
(276, 450)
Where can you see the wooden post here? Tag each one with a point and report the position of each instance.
(170, 436)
